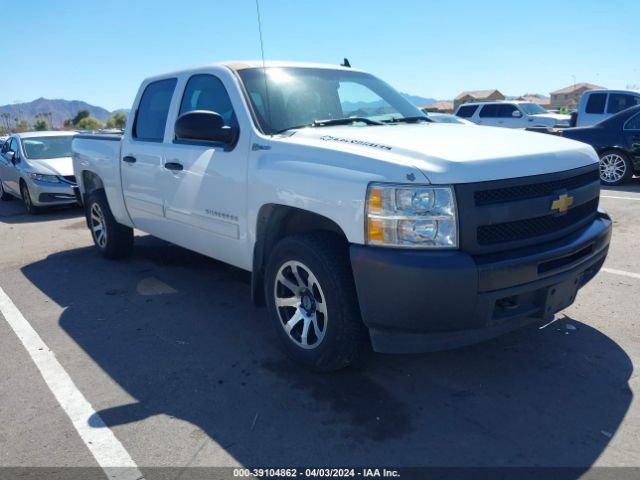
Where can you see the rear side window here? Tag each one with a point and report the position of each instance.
(621, 101)
(467, 111)
(151, 118)
(206, 92)
(596, 102)
(505, 110)
(489, 111)
(633, 123)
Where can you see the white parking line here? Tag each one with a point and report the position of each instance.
(619, 198)
(621, 272)
(99, 439)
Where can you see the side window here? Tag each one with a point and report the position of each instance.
(633, 123)
(206, 92)
(621, 101)
(489, 111)
(467, 111)
(505, 110)
(5, 147)
(596, 102)
(151, 118)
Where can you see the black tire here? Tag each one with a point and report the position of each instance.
(609, 177)
(117, 239)
(344, 338)
(28, 202)
(4, 195)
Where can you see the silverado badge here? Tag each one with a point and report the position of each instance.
(562, 203)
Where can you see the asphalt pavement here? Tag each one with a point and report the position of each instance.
(175, 361)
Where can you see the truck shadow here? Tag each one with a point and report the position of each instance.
(177, 332)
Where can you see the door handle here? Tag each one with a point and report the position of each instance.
(173, 166)
(129, 159)
(636, 137)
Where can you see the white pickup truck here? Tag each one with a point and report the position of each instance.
(362, 222)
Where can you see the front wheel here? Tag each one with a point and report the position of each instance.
(28, 202)
(112, 239)
(615, 168)
(312, 301)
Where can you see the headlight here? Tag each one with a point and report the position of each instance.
(411, 217)
(45, 178)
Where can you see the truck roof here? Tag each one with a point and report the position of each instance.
(237, 65)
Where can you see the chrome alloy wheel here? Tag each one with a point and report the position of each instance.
(612, 168)
(301, 305)
(98, 227)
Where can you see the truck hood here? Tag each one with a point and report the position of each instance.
(453, 153)
(52, 166)
(558, 117)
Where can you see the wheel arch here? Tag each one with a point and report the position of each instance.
(275, 222)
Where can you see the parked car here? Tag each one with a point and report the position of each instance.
(390, 229)
(598, 105)
(617, 142)
(37, 168)
(511, 114)
(447, 118)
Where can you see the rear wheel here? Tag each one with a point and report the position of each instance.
(112, 239)
(312, 301)
(28, 202)
(615, 168)
(3, 194)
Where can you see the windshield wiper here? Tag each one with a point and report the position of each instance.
(407, 119)
(334, 121)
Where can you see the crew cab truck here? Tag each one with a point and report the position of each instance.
(361, 221)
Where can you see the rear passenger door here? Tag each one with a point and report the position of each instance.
(204, 185)
(143, 157)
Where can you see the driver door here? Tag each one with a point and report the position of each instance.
(9, 173)
(204, 183)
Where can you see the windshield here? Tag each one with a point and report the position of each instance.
(300, 96)
(532, 108)
(39, 148)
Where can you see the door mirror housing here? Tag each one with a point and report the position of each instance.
(516, 114)
(11, 156)
(203, 126)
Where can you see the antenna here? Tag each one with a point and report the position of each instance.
(345, 63)
(264, 67)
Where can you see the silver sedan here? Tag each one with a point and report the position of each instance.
(37, 168)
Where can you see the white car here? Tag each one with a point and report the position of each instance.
(511, 114)
(598, 105)
(37, 168)
(383, 228)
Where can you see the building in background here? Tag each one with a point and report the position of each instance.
(441, 106)
(477, 96)
(569, 97)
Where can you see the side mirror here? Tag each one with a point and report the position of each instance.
(203, 125)
(516, 114)
(11, 156)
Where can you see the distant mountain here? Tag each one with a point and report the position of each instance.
(419, 101)
(368, 108)
(61, 110)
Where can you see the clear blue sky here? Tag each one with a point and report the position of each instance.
(100, 51)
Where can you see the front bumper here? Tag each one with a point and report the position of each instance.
(417, 301)
(45, 194)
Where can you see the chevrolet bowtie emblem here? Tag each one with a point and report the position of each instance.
(562, 203)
